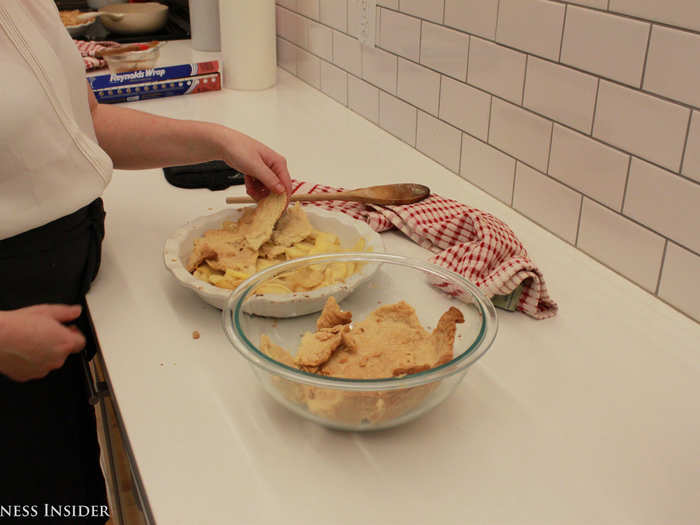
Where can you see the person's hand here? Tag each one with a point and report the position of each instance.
(34, 340)
(265, 170)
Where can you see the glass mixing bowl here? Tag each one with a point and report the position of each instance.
(362, 404)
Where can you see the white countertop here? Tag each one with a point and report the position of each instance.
(587, 418)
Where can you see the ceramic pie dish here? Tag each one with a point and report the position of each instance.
(179, 245)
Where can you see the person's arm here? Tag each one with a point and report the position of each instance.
(138, 140)
(34, 340)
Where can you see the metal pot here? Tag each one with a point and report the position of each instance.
(139, 18)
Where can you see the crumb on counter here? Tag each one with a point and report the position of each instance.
(195, 334)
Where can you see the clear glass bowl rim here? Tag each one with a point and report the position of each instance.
(233, 309)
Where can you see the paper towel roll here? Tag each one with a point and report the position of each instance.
(204, 25)
(248, 44)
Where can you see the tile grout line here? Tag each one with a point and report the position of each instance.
(488, 131)
(627, 181)
(685, 146)
(661, 268)
(528, 110)
(549, 155)
(469, 47)
(420, 41)
(563, 28)
(646, 57)
(541, 57)
(512, 191)
(333, 42)
(498, 15)
(580, 215)
(595, 108)
(440, 97)
(522, 95)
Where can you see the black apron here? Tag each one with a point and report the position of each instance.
(49, 452)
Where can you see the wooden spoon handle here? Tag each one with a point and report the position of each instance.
(338, 196)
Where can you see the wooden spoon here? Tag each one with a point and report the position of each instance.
(388, 194)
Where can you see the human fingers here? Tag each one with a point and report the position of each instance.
(60, 312)
(70, 340)
(255, 188)
(278, 164)
(261, 171)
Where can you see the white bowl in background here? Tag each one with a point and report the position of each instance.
(179, 246)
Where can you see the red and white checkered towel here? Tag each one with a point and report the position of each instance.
(468, 241)
(88, 49)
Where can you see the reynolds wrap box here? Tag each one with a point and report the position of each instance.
(160, 88)
(116, 80)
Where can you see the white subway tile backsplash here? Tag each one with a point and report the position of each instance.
(335, 14)
(478, 17)
(496, 69)
(400, 34)
(520, 133)
(599, 94)
(681, 13)
(673, 65)
(309, 68)
(428, 9)
(445, 50)
(642, 124)
(419, 86)
(320, 40)
(291, 26)
(691, 163)
(487, 168)
(397, 117)
(619, 243)
(363, 98)
(665, 202)
(588, 166)
(547, 202)
(607, 45)
(560, 93)
(534, 26)
(679, 283)
(287, 56)
(379, 68)
(334, 82)
(439, 141)
(309, 8)
(347, 53)
(465, 107)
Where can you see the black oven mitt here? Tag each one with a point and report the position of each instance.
(215, 175)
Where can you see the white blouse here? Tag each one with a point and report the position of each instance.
(50, 162)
